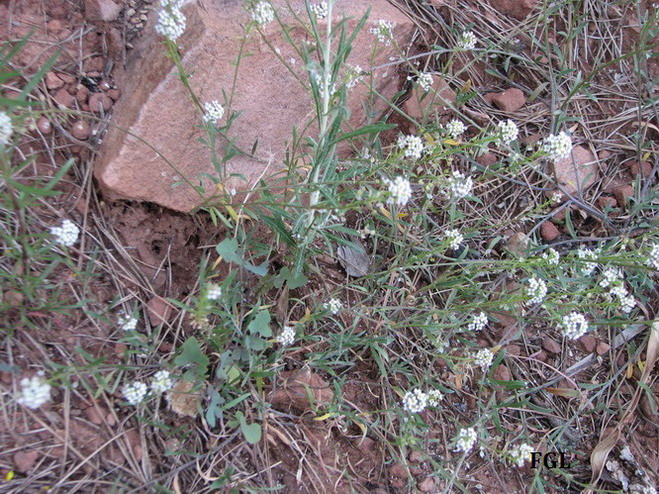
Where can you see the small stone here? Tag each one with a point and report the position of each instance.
(44, 126)
(54, 26)
(82, 93)
(104, 86)
(115, 94)
(398, 470)
(578, 172)
(420, 103)
(551, 345)
(365, 445)
(502, 373)
(100, 102)
(587, 343)
(514, 350)
(80, 130)
(604, 202)
(63, 99)
(602, 348)
(130, 12)
(101, 10)
(487, 159)
(518, 244)
(559, 216)
(13, 298)
(159, 311)
(417, 457)
(68, 79)
(644, 168)
(25, 460)
(53, 81)
(623, 193)
(540, 356)
(518, 9)
(427, 485)
(510, 100)
(603, 155)
(530, 140)
(94, 414)
(549, 232)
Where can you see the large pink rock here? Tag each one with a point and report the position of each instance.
(161, 147)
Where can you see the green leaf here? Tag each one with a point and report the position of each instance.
(228, 249)
(261, 324)
(191, 354)
(252, 432)
(290, 278)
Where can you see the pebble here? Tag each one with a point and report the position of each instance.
(644, 168)
(63, 98)
(604, 202)
(549, 232)
(98, 101)
(53, 81)
(24, 461)
(130, 12)
(510, 100)
(80, 130)
(114, 94)
(551, 345)
(587, 343)
(44, 126)
(623, 193)
(82, 94)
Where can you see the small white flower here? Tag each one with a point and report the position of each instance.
(551, 256)
(434, 397)
(319, 10)
(214, 292)
(171, 21)
(653, 257)
(161, 382)
(35, 391)
(384, 31)
(425, 81)
(353, 76)
(584, 253)
(6, 128)
(460, 185)
(520, 453)
(627, 303)
(454, 238)
(400, 190)
(537, 290)
(610, 276)
(455, 128)
(574, 325)
(263, 13)
(127, 322)
(478, 322)
(413, 146)
(213, 111)
(286, 337)
(466, 439)
(467, 41)
(334, 305)
(135, 392)
(506, 132)
(415, 401)
(66, 234)
(557, 147)
(483, 358)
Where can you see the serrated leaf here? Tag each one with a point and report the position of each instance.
(261, 324)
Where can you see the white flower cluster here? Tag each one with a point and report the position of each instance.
(126, 321)
(214, 292)
(66, 234)
(454, 238)
(413, 146)
(135, 392)
(627, 301)
(319, 10)
(286, 337)
(161, 382)
(171, 21)
(35, 391)
(213, 111)
(551, 256)
(507, 132)
(425, 81)
(334, 305)
(585, 253)
(483, 358)
(460, 185)
(537, 290)
(434, 397)
(520, 453)
(557, 147)
(653, 258)
(384, 31)
(574, 325)
(610, 277)
(455, 128)
(466, 439)
(263, 13)
(478, 322)
(6, 128)
(467, 41)
(400, 191)
(415, 401)
(353, 76)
